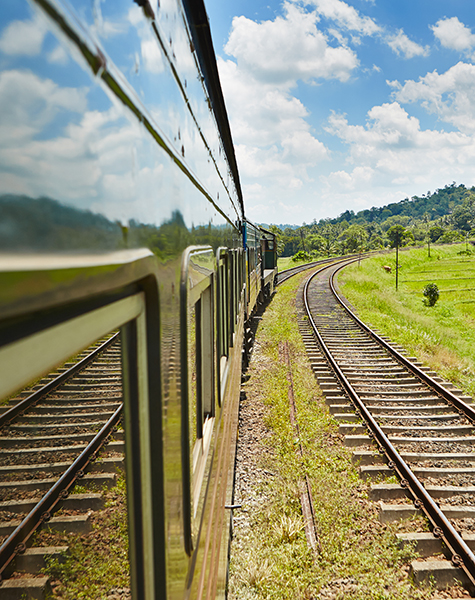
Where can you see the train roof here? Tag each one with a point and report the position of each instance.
(201, 35)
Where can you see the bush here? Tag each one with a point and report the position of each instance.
(300, 255)
(431, 292)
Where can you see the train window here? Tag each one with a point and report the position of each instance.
(227, 312)
(205, 358)
(199, 388)
(62, 323)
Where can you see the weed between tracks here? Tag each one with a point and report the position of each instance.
(359, 558)
(441, 336)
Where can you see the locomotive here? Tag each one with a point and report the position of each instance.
(121, 208)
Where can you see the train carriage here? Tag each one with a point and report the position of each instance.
(121, 209)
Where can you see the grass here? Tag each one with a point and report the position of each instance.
(288, 263)
(441, 336)
(270, 558)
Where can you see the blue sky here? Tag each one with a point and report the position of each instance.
(338, 105)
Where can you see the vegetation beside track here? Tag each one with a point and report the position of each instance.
(359, 558)
(287, 263)
(441, 336)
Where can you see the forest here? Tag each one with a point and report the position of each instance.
(445, 216)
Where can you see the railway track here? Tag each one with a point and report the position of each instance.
(288, 273)
(400, 419)
(49, 437)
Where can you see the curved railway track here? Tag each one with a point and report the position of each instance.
(49, 436)
(423, 430)
(288, 273)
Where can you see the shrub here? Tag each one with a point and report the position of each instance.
(301, 255)
(431, 292)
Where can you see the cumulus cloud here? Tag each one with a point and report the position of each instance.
(453, 34)
(346, 16)
(359, 178)
(279, 153)
(402, 45)
(393, 145)
(29, 103)
(23, 37)
(288, 49)
(271, 113)
(450, 95)
(274, 140)
(91, 152)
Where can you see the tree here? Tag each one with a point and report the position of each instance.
(278, 238)
(316, 242)
(329, 232)
(354, 238)
(396, 235)
(462, 218)
(434, 233)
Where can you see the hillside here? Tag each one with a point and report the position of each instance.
(440, 203)
(447, 215)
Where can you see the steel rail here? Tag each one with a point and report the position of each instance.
(31, 400)
(295, 270)
(460, 405)
(288, 273)
(15, 543)
(462, 556)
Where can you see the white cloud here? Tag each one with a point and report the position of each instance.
(450, 95)
(271, 114)
(23, 37)
(359, 179)
(346, 16)
(274, 142)
(402, 45)
(288, 49)
(304, 148)
(29, 103)
(58, 55)
(453, 34)
(398, 152)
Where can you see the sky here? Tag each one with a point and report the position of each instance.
(343, 105)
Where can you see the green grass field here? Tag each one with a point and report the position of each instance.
(288, 263)
(442, 336)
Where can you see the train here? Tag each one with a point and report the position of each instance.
(121, 208)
